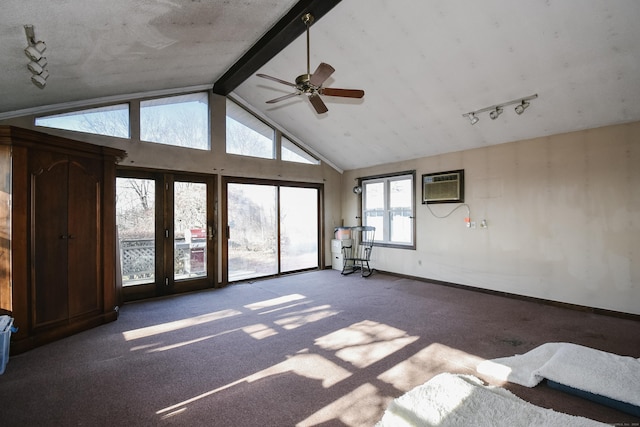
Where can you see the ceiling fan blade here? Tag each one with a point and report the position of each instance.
(321, 74)
(282, 98)
(345, 93)
(317, 103)
(275, 79)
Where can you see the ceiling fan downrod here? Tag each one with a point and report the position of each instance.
(307, 18)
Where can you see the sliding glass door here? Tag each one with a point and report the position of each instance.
(272, 228)
(252, 231)
(298, 228)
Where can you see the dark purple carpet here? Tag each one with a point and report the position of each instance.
(309, 349)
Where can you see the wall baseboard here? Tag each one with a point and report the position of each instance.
(576, 307)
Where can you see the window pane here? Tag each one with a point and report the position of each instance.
(373, 202)
(110, 121)
(253, 231)
(5, 216)
(400, 197)
(292, 153)
(298, 228)
(190, 230)
(247, 135)
(182, 121)
(387, 204)
(135, 218)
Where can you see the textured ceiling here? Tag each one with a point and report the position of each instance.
(421, 63)
(105, 48)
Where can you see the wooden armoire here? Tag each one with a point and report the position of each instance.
(61, 276)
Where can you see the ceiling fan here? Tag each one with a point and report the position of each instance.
(311, 84)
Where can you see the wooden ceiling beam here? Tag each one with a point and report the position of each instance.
(277, 38)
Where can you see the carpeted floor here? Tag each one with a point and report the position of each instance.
(308, 349)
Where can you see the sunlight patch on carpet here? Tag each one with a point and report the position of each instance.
(178, 324)
(365, 343)
(274, 302)
(361, 407)
(259, 331)
(303, 317)
(308, 365)
(427, 363)
(180, 344)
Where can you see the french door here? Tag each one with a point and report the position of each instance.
(165, 233)
(271, 228)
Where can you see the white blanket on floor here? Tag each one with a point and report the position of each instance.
(583, 368)
(462, 400)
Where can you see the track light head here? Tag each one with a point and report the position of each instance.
(473, 119)
(34, 52)
(40, 80)
(523, 106)
(495, 113)
(37, 67)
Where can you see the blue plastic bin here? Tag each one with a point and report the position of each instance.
(6, 327)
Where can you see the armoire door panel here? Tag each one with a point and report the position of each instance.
(84, 236)
(49, 238)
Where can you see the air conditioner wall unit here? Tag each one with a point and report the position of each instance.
(443, 187)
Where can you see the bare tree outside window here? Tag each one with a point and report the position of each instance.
(110, 121)
(135, 220)
(182, 121)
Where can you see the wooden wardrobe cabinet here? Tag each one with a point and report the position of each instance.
(62, 236)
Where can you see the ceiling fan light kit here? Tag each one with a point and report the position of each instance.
(311, 84)
(496, 110)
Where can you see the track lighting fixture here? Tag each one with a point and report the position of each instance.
(495, 113)
(35, 52)
(496, 110)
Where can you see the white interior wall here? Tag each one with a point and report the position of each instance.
(563, 216)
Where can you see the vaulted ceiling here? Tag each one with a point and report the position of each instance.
(422, 65)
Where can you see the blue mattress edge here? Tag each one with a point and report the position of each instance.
(604, 400)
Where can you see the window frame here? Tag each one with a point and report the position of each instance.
(386, 179)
